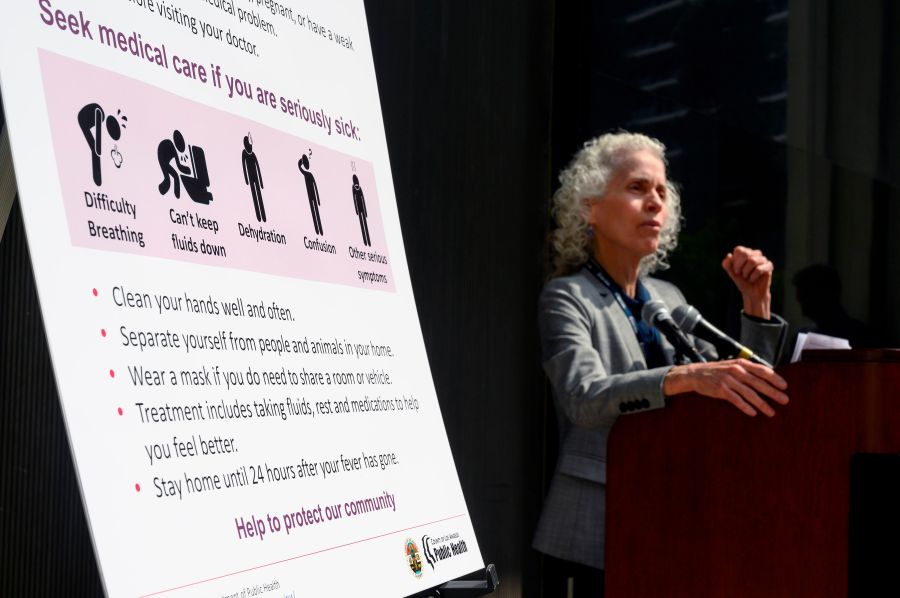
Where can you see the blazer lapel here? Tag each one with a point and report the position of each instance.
(622, 325)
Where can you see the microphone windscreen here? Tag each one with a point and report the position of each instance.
(652, 311)
(687, 317)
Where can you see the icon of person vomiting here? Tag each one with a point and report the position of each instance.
(166, 151)
(312, 190)
(91, 120)
(253, 177)
(359, 203)
(191, 163)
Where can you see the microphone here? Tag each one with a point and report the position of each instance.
(692, 322)
(655, 314)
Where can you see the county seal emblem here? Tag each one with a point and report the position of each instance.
(413, 557)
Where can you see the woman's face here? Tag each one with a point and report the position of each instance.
(629, 216)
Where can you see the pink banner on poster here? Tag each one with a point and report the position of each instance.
(145, 171)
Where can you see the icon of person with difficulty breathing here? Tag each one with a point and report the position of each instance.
(253, 177)
(312, 190)
(91, 119)
(359, 203)
(168, 150)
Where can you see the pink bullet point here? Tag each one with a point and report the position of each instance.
(137, 487)
(121, 412)
(95, 292)
(103, 332)
(112, 374)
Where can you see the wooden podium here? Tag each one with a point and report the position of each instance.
(704, 501)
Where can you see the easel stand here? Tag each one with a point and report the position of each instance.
(465, 589)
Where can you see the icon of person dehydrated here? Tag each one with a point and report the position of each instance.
(312, 190)
(190, 161)
(92, 119)
(253, 177)
(359, 203)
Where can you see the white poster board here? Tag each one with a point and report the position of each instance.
(209, 208)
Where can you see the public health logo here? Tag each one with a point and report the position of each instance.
(443, 547)
(413, 557)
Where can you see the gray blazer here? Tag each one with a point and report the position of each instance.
(597, 370)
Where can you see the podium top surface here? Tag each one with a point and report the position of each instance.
(850, 355)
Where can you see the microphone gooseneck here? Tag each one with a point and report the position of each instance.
(690, 321)
(655, 314)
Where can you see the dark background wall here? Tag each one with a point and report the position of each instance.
(465, 92)
(782, 122)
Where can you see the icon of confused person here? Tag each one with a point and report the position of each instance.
(359, 204)
(253, 177)
(312, 190)
(190, 161)
(92, 119)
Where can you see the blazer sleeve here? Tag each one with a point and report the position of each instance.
(765, 338)
(588, 393)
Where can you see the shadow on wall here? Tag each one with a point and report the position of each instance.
(818, 291)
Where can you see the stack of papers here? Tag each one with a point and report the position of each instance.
(811, 340)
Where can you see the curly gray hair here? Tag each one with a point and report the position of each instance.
(586, 177)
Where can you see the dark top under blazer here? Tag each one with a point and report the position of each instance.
(597, 371)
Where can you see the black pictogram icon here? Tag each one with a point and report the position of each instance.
(92, 119)
(312, 190)
(253, 177)
(359, 204)
(191, 163)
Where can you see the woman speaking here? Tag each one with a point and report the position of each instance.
(618, 218)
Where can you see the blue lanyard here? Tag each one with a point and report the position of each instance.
(647, 337)
(597, 270)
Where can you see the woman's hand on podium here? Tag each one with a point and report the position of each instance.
(744, 384)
